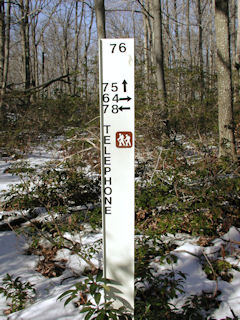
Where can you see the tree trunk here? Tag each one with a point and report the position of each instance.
(233, 28)
(24, 6)
(200, 49)
(78, 27)
(178, 55)
(43, 68)
(42, 60)
(224, 82)
(150, 34)
(35, 56)
(2, 39)
(146, 54)
(6, 49)
(87, 44)
(189, 50)
(237, 57)
(100, 17)
(76, 53)
(65, 57)
(170, 50)
(209, 45)
(5, 21)
(212, 45)
(158, 51)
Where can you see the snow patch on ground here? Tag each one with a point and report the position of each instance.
(37, 158)
(47, 307)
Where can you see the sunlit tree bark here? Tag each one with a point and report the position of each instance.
(5, 20)
(237, 56)
(224, 83)
(100, 16)
(77, 30)
(86, 48)
(158, 51)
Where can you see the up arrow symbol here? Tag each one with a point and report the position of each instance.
(124, 85)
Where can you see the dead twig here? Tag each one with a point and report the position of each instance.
(156, 166)
(72, 155)
(214, 274)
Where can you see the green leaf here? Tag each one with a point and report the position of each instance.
(93, 288)
(97, 297)
(65, 293)
(69, 299)
(106, 288)
(101, 315)
(86, 309)
(90, 313)
(99, 277)
(112, 315)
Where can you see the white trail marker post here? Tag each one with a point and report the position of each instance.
(117, 164)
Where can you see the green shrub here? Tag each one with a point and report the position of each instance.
(219, 268)
(198, 307)
(89, 295)
(199, 198)
(24, 122)
(17, 292)
(154, 291)
(54, 188)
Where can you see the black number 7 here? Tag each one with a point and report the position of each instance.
(114, 46)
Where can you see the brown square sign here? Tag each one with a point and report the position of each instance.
(124, 139)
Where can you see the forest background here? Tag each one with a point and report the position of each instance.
(187, 57)
(49, 65)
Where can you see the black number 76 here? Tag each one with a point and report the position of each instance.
(121, 47)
